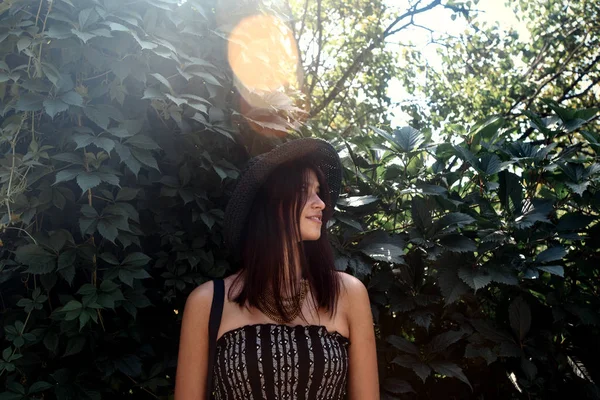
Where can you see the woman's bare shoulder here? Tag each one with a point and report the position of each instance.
(200, 298)
(350, 283)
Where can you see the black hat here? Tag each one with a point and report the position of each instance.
(320, 152)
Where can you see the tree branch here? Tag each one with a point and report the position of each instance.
(319, 48)
(302, 25)
(594, 83)
(579, 78)
(358, 60)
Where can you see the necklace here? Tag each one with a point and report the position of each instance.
(291, 305)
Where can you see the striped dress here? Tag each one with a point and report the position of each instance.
(281, 362)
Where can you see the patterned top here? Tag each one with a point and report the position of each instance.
(279, 362)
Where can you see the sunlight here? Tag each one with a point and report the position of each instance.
(263, 55)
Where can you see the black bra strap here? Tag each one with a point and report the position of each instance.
(216, 311)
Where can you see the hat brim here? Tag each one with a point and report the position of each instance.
(319, 151)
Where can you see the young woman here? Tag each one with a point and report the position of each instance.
(292, 326)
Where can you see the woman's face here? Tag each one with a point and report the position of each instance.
(310, 219)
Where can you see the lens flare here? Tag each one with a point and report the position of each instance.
(263, 55)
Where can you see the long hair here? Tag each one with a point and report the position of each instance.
(271, 240)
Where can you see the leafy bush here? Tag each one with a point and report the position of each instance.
(116, 151)
(482, 256)
(120, 144)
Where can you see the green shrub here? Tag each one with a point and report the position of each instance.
(117, 147)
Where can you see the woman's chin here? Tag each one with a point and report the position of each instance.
(311, 237)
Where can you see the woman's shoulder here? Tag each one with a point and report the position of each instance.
(350, 283)
(201, 296)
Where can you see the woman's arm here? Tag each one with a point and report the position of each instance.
(363, 380)
(192, 363)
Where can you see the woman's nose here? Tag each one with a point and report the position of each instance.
(317, 202)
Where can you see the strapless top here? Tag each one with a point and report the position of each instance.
(277, 362)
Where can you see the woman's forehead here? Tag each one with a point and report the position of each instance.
(311, 177)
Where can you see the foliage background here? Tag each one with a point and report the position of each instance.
(474, 230)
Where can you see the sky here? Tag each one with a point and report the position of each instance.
(439, 19)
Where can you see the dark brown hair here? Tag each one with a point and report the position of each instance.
(271, 237)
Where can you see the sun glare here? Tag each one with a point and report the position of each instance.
(263, 55)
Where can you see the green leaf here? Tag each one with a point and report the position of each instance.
(72, 98)
(578, 188)
(451, 370)
(29, 102)
(397, 386)
(109, 258)
(84, 318)
(84, 36)
(39, 386)
(503, 275)
(152, 93)
(528, 368)
(408, 138)
(126, 277)
(71, 158)
(510, 191)
(136, 260)
(451, 286)
(72, 305)
(51, 73)
(98, 116)
(130, 365)
(413, 363)
(104, 143)
(403, 345)
(68, 274)
(82, 139)
(66, 259)
(116, 26)
(177, 100)
(142, 142)
(574, 221)
(126, 194)
(36, 258)
(164, 81)
(75, 345)
(421, 214)
(23, 43)
(56, 31)
(490, 164)
(144, 44)
(107, 230)
(51, 341)
(552, 254)
(54, 106)
(441, 342)
(145, 157)
(86, 15)
(127, 158)
(476, 278)
(88, 180)
(458, 243)
(485, 131)
(422, 318)
(66, 175)
(520, 317)
(553, 269)
(451, 219)
(208, 220)
(383, 247)
(483, 352)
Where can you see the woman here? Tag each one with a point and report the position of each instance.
(292, 326)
